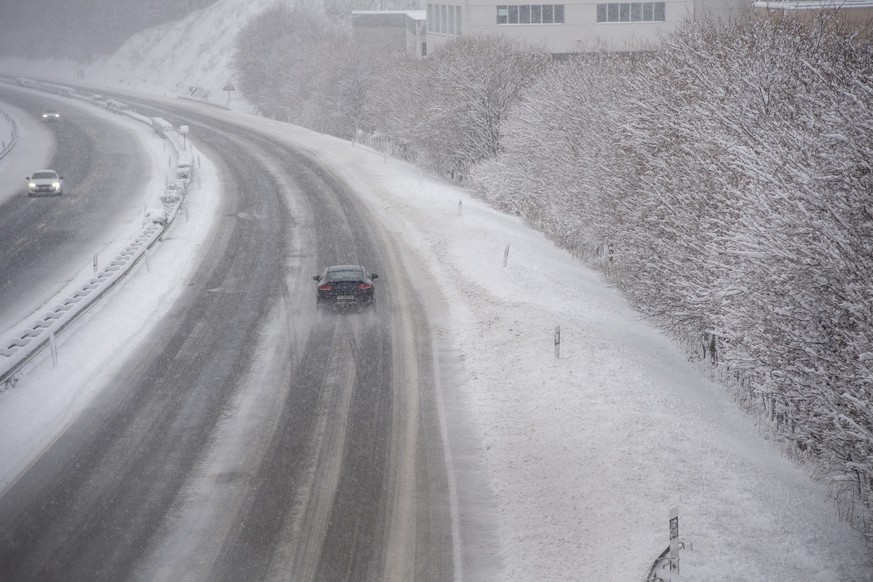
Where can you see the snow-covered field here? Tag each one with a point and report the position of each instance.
(585, 453)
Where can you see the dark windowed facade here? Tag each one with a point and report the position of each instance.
(631, 12)
(531, 14)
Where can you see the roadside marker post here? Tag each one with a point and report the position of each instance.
(558, 342)
(54, 350)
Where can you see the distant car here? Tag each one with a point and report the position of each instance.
(345, 285)
(45, 182)
(51, 116)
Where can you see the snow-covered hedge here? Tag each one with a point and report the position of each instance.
(726, 183)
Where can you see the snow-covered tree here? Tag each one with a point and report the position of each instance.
(452, 107)
(727, 181)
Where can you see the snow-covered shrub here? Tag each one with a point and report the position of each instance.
(452, 107)
(184, 160)
(171, 197)
(159, 216)
(728, 176)
(287, 62)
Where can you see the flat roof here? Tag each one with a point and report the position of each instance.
(413, 14)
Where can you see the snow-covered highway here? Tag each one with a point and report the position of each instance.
(244, 416)
(46, 241)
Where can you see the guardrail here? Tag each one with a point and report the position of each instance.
(659, 566)
(24, 341)
(7, 145)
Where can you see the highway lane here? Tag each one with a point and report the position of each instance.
(46, 240)
(251, 438)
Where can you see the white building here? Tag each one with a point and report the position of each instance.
(571, 27)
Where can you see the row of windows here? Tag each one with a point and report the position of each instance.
(531, 14)
(631, 12)
(444, 19)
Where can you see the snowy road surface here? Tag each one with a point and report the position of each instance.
(248, 436)
(44, 241)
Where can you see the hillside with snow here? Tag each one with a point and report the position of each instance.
(191, 56)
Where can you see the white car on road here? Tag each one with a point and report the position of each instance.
(45, 182)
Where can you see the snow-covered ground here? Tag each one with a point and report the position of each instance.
(585, 453)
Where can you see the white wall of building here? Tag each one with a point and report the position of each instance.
(580, 31)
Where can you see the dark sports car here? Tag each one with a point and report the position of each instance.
(345, 285)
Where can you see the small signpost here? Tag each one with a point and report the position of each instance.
(183, 131)
(558, 342)
(228, 87)
(53, 346)
(675, 544)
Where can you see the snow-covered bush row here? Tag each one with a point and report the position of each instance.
(294, 65)
(450, 109)
(726, 181)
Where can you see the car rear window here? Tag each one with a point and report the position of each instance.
(356, 275)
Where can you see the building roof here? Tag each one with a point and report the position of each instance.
(412, 14)
(814, 4)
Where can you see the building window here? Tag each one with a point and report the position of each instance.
(444, 19)
(531, 14)
(631, 12)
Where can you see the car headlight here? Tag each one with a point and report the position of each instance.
(56, 185)
(31, 185)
